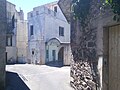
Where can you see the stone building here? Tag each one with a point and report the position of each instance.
(16, 39)
(11, 50)
(49, 35)
(97, 49)
(2, 42)
(21, 38)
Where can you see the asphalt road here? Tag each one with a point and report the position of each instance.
(37, 77)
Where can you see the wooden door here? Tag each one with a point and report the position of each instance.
(114, 57)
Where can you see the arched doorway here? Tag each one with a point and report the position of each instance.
(61, 55)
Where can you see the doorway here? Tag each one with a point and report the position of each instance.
(53, 55)
(114, 57)
(111, 67)
(61, 55)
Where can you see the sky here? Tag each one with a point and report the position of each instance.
(28, 5)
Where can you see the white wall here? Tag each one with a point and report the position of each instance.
(67, 55)
(59, 13)
(52, 29)
(46, 26)
(35, 41)
(11, 54)
(38, 26)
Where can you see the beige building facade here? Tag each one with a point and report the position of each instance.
(16, 39)
(21, 41)
(11, 50)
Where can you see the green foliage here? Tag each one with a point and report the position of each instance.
(81, 8)
(115, 6)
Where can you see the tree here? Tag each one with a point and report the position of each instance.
(81, 8)
(81, 37)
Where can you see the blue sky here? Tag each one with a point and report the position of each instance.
(28, 5)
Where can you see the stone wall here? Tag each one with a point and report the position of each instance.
(81, 74)
(89, 67)
(2, 42)
(87, 49)
(84, 65)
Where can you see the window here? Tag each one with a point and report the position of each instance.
(55, 9)
(54, 54)
(37, 12)
(31, 14)
(31, 30)
(61, 31)
(9, 41)
(13, 21)
(32, 52)
(47, 54)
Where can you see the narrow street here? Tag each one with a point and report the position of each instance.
(37, 77)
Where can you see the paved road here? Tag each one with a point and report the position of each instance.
(37, 77)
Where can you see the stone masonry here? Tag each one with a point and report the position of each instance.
(84, 66)
(2, 42)
(86, 45)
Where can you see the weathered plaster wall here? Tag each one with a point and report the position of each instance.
(22, 41)
(67, 55)
(46, 26)
(52, 29)
(2, 43)
(11, 50)
(11, 54)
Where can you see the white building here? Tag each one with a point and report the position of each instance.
(16, 35)
(48, 35)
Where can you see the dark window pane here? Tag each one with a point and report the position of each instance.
(31, 30)
(47, 54)
(37, 12)
(61, 31)
(31, 14)
(55, 9)
(13, 21)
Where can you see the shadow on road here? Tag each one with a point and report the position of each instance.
(55, 64)
(14, 63)
(14, 82)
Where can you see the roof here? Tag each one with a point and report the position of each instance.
(51, 3)
(11, 3)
